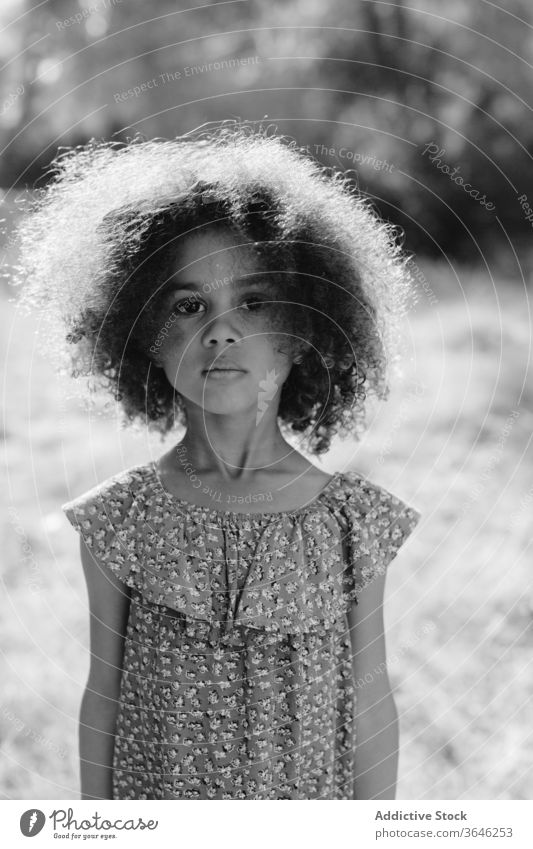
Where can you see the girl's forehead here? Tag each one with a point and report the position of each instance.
(214, 251)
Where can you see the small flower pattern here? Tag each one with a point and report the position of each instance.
(237, 673)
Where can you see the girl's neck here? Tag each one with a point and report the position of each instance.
(236, 448)
(261, 461)
(231, 461)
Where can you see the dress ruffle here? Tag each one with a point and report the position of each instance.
(303, 568)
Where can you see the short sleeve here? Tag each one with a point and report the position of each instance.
(105, 517)
(379, 523)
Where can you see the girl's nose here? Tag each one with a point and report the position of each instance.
(222, 329)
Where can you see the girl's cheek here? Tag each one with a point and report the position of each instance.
(273, 318)
(167, 335)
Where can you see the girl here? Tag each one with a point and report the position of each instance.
(227, 282)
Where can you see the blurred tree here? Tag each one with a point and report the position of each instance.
(364, 86)
(399, 78)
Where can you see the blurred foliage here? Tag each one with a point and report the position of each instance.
(364, 86)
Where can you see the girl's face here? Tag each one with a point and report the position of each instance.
(216, 315)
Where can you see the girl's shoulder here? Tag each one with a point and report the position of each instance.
(111, 499)
(108, 518)
(367, 499)
(374, 521)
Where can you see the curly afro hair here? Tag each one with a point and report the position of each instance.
(98, 242)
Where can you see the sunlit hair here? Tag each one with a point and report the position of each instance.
(99, 241)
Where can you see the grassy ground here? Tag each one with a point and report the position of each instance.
(454, 440)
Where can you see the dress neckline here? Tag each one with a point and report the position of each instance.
(232, 514)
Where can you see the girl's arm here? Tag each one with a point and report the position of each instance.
(109, 601)
(377, 735)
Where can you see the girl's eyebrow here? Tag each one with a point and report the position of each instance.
(197, 285)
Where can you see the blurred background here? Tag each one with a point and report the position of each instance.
(428, 106)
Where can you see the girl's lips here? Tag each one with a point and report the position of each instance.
(221, 374)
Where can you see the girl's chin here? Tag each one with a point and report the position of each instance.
(220, 397)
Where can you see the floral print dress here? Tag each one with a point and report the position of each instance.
(237, 675)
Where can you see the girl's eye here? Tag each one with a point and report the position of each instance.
(255, 302)
(187, 306)
(183, 307)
